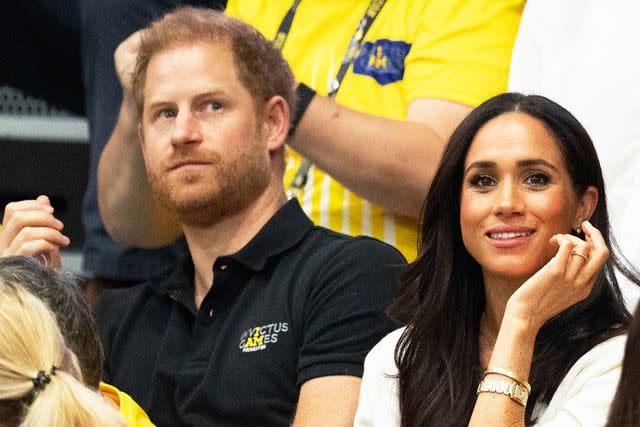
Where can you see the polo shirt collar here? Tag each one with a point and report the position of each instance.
(284, 230)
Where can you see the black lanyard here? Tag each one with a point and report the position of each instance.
(355, 45)
(285, 25)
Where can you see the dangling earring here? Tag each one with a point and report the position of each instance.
(579, 230)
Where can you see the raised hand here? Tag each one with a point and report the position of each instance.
(29, 228)
(565, 280)
(125, 59)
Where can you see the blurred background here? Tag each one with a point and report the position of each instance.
(43, 131)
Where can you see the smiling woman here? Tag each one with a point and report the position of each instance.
(516, 195)
(512, 317)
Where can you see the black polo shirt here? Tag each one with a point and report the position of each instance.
(297, 302)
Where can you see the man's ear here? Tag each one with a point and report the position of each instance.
(588, 202)
(275, 126)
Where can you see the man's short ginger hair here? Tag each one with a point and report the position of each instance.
(259, 64)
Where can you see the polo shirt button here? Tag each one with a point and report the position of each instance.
(211, 312)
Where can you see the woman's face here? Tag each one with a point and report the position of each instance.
(516, 194)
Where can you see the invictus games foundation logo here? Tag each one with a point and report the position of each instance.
(259, 337)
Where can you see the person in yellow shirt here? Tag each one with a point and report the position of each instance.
(373, 130)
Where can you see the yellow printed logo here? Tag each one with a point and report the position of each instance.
(259, 337)
(379, 60)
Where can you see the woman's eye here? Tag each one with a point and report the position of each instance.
(215, 106)
(537, 179)
(482, 181)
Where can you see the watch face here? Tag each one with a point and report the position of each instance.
(514, 390)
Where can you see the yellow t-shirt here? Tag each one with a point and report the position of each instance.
(130, 410)
(457, 50)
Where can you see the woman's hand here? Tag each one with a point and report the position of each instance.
(565, 280)
(29, 228)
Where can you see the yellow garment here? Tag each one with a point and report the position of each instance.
(459, 51)
(129, 409)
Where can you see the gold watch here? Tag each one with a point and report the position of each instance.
(513, 389)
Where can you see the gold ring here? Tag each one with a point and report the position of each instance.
(580, 254)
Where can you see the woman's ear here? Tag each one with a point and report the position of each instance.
(588, 203)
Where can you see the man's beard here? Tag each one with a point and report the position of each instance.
(202, 200)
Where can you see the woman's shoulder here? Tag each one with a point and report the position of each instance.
(602, 361)
(378, 404)
(585, 394)
(607, 354)
(382, 355)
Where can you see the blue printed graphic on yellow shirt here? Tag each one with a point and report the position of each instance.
(382, 60)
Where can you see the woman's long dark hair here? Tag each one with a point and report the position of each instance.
(625, 409)
(442, 297)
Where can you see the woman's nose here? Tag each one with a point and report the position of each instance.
(509, 200)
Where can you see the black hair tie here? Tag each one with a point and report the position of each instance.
(43, 378)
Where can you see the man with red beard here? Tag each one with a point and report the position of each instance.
(268, 319)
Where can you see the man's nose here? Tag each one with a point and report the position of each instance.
(186, 129)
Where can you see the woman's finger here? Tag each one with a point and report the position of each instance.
(565, 246)
(24, 205)
(35, 234)
(45, 202)
(47, 250)
(30, 218)
(578, 258)
(599, 252)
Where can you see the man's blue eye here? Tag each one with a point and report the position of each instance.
(216, 106)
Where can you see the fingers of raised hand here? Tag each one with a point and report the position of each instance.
(573, 254)
(39, 217)
(40, 204)
(35, 240)
(598, 255)
(579, 252)
(29, 220)
(125, 57)
(50, 252)
(583, 259)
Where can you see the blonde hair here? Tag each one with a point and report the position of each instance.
(32, 346)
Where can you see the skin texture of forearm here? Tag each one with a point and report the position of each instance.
(130, 212)
(388, 162)
(513, 351)
(328, 401)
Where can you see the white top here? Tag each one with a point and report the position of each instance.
(583, 54)
(582, 398)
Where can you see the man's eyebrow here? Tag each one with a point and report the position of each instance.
(155, 105)
(209, 94)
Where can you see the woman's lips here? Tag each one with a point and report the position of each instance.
(509, 239)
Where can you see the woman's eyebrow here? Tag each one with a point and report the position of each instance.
(482, 164)
(536, 162)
